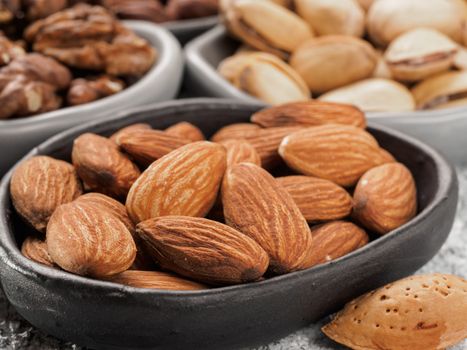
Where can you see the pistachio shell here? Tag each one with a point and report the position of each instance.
(333, 61)
(460, 59)
(419, 53)
(329, 17)
(365, 4)
(266, 26)
(443, 90)
(387, 19)
(374, 95)
(382, 69)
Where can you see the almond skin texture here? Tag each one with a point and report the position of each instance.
(317, 199)
(234, 131)
(146, 146)
(416, 313)
(130, 128)
(335, 239)
(102, 167)
(155, 280)
(385, 198)
(86, 240)
(186, 131)
(255, 204)
(203, 250)
(184, 182)
(240, 151)
(39, 185)
(35, 249)
(339, 153)
(309, 113)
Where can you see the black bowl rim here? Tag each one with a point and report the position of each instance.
(11, 256)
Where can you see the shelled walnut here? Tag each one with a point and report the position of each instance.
(184, 9)
(9, 50)
(152, 11)
(85, 90)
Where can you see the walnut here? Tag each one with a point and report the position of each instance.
(148, 10)
(9, 10)
(184, 9)
(89, 37)
(91, 89)
(9, 50)
(36, 9)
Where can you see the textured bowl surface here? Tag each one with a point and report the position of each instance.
(442, 129)
(103, 315)
(161, 83)
(187, 29)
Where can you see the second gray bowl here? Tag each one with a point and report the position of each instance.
(161, 83)
(442, 129)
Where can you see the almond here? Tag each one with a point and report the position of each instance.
(146, 146)
(385, 198)
(255, 204)
(234, 132)
(416, 313)
(102, 167)
(186, 131)
(309, 113)
(339, 153)
(203, 250)
(130, 128)
(155, 280)
(36, 249)
(184, 182)
(335, 239)
(317, 199)
(39, 185)
(86, 240)
(240, 151)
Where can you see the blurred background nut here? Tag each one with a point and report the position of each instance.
(374, 95)
(365, 4)
(419, 53)
(87, 90)
(36, 9)
(148, 10)
(328, 17)
(387, 19)
(185, 9)
(329, 62)
(9, 9)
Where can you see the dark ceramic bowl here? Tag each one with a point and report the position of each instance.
(104, 315)
(442, 129)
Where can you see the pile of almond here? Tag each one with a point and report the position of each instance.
(301, 185)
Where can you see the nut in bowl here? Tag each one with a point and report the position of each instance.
(269, 257)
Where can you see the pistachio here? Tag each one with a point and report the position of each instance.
(328, 17)
(460, 59)
(329, 62)
(266, 26)
(382, 69)
(419, 53)
(442, 91)
(264, 76)
(374, 95)
(365, 4)
(387, 19)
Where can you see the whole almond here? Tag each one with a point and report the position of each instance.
(234, 132)
(86, 240)
(416, 313)
(130, 128)
(39, 185)
(102, 167)
(203, 250)
(385, 198)
(184, 182)
(335, 239)
(240, 151)
(146, 146)
(318, 199)
(255, 204)
(186, 131)
(309, 113)
(36, 249)
(155, 280)
(339, 153)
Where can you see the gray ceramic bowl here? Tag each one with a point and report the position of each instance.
(104, 315)
(188, 29)
(445, 130)
(161, 83)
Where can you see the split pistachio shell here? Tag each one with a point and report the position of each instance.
(264, 76)
(266, 26)
(420, 53)
(441, 91)
(329, 62)
(387, 19)
(374, 95)
(329, 17)
(460, 60)
(382, 69)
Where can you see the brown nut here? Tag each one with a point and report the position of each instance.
(88, 90)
